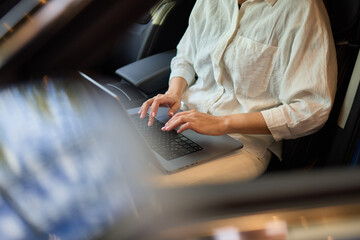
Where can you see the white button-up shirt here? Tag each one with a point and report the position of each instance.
(276, 57)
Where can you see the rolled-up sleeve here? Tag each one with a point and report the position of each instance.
(182, 65)
(308, 86)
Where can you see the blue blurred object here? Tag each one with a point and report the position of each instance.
(11, 225)
(61, 164)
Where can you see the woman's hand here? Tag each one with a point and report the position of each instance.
(245, 123)
(169, 99)
(199, 122)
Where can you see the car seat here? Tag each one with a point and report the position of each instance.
(149, 44)
(159, 30)
(322, 148)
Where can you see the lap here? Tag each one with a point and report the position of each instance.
(237, 166)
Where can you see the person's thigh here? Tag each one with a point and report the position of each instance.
(237, 166)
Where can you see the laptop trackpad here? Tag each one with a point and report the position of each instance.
(161, 116)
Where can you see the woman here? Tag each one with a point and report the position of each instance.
(262, 72)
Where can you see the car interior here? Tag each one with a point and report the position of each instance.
(126, 46)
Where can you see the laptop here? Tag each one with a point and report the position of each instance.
(174, 152)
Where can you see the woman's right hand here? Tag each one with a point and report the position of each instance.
(169, 99)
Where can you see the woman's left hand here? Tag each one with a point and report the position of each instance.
(199, 122)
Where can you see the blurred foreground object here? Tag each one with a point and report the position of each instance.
(66, 170)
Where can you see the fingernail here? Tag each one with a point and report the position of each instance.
(153, 114)
(163, 128)
(171, 114)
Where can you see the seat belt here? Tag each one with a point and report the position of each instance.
(350, 94)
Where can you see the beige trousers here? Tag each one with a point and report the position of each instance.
(239, 165)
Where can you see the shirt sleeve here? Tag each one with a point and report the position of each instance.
(308, 86)
(182, 65)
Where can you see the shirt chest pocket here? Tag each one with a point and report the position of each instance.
(250, 65)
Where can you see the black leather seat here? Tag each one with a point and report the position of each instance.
(157, 31)
(149, 45)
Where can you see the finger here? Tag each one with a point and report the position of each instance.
(153, 110)
(184, 127)
(179, 114)
(169, 122)
(144, 108)
(174, 108)
(175, 122)
(187, 113)
(176, 118)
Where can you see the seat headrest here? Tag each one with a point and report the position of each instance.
(345, 19)
(146, 18)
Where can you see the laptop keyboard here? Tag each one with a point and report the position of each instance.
(169, 145)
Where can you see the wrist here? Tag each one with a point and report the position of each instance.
(177, 86)
(235, 123)
(225, 124)
(175, 93)
(245, 123)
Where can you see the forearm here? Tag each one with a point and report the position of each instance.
(245, 123)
